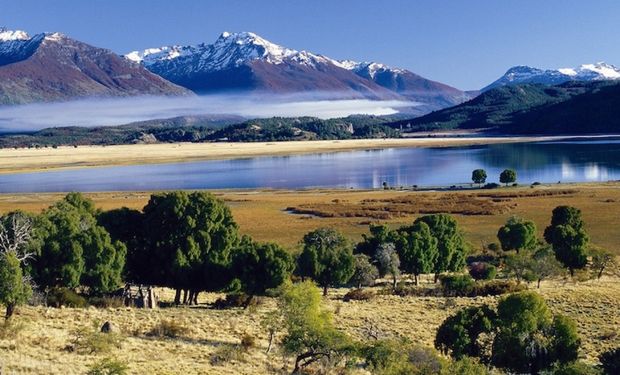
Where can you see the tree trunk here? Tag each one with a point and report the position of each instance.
(190, 300)
(572, 272)
(324, 290)
(272, 334)
(248, 301)
(538, 284)
(415, 277)
(600, 273)
(436, 277)
(185, 296)
(10, 309)
(196, 293)
(177, 297)
(394, 281)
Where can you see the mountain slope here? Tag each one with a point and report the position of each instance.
(573, 107)
(52, 67)
(246, 62)
(408, 84)
(524, 74)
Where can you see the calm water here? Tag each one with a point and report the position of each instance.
(566, 161)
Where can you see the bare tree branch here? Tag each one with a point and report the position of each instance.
(15, 234)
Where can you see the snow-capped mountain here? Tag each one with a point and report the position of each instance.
(246, 62)
(52, 66)
(407, 84)
(587, 72)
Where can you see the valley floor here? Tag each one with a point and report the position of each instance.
(43, 159)
(40, 345)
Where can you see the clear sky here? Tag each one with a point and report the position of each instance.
(464, 43)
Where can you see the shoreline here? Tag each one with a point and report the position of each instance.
(14, 161)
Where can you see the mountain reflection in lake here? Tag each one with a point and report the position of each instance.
(566, 161)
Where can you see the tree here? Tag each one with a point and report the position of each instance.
(479, 176)
(610, 361)
(188, 238)
(602, 260)
(544, 265)
(326, 257)
(260, 267)
(459, 334)
(420, 250)
(73, 250)
(379, 234)
(389, 263)
(14, 290)
(126, 225)
(508, 176)
(568, 238)
(310, 334)
(451, 247)
(517, 234)
(482, 271)
(529, 338)
(520, 265)
(365, 273)
(17, 235)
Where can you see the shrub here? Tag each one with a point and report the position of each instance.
(90, 340)
(482, 271)
(168, 328)
(248, 342)
(106, 302)
(358, 295)
(610, 361)
(496, 288)
(225, 354)
(458, 334)
(65, 297)
(235, 300)
(9, 329)
(108, 366)
(456, 285)
(401, 357)
(575, 368)
(467, 366)
(491, 185)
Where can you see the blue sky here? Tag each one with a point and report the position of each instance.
(466, 44)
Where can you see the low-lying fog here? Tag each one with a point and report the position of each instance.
(118, 111)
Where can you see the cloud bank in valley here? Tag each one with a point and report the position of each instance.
(118, 111)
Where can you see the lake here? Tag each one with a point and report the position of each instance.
(546, 162)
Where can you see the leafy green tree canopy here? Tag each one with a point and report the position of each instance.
(14, 290)
(327, 257)
(568, 238)
(508, 176)
(479, 176)
(517, 234)
(451, 246)
(420, 252)
(458, 335)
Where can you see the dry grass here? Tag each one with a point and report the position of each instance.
(22, 160)
(263, 215)
(217, 334)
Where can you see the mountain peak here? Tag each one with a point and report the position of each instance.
(8, 35)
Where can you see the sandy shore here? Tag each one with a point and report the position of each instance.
(32, 160)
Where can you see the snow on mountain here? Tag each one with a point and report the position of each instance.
(8, 35)
(245, 61)
(586, 72)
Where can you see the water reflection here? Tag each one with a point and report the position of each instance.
(597, 160)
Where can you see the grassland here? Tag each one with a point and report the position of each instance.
(264, 214)
(40, 346)
(41, 159)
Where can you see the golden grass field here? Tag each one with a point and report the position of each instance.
(263, 215)
(39, 348)
(28, 160)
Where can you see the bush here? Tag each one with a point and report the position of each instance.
(610, 361)
(358, 295)
(235, 300)
(467, 366)
(457, 285)
(65, 297)
(248, 342)
(225, 354)
(106, 302)
(168, 328)
(496, 288)
(108, 366)
(482, 271)
(9, 329)
(90, 340)
(491, 185)
(575, 368)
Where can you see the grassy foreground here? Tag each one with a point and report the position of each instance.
(41, 345)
